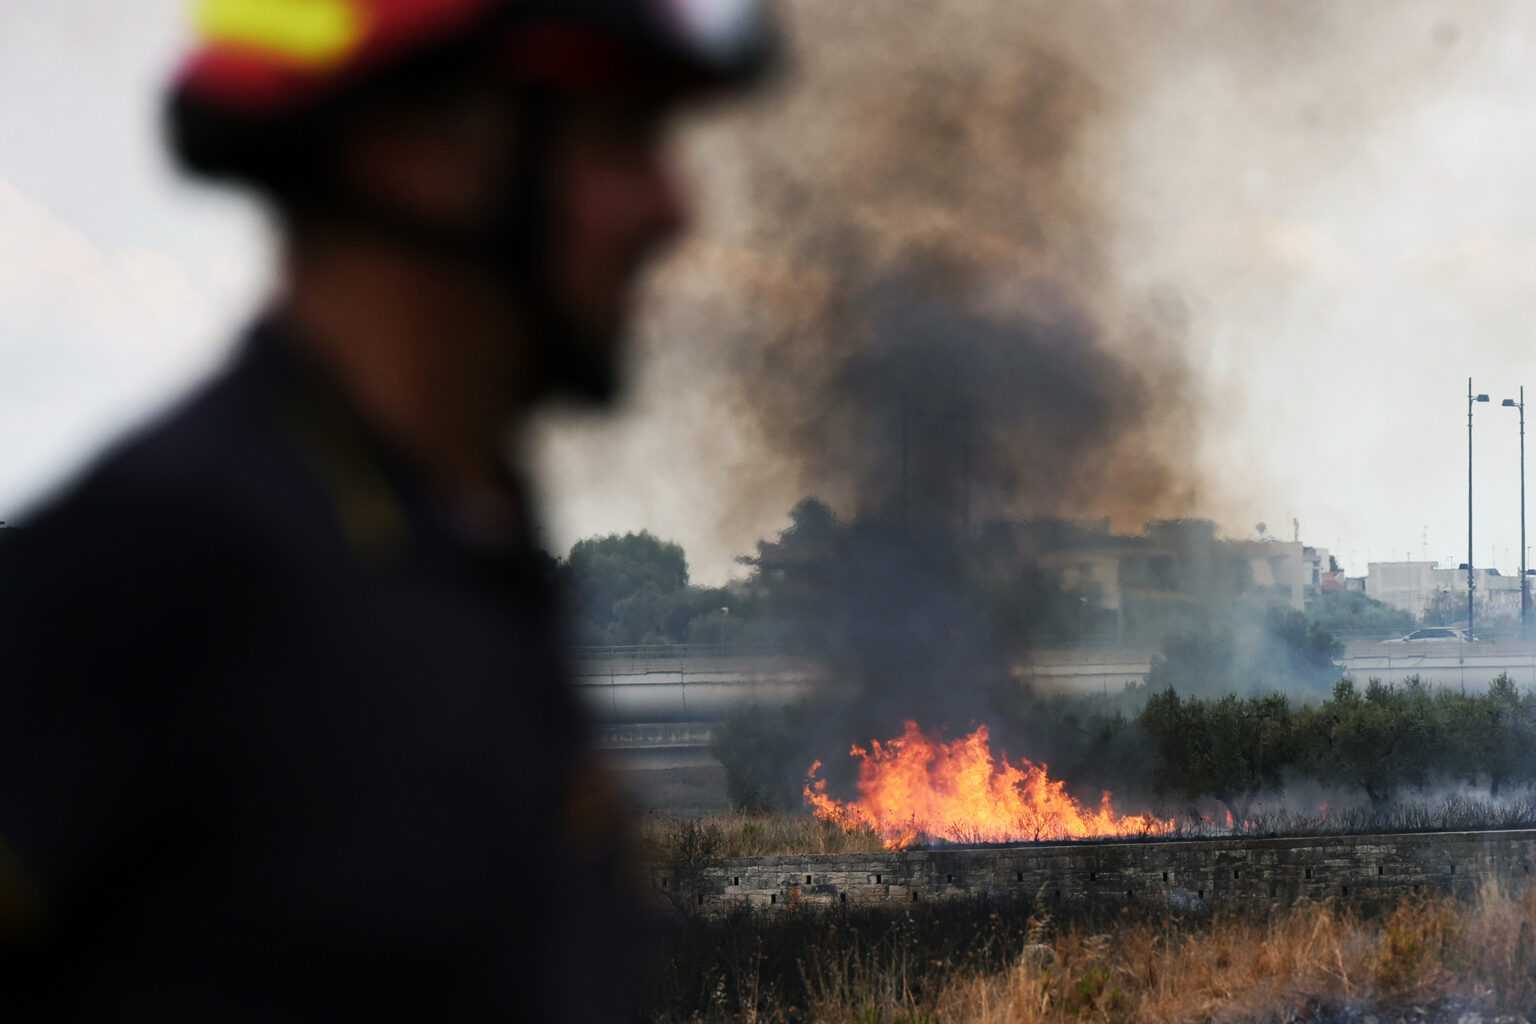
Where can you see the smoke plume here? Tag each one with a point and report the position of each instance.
(932, 287)
(1102, 186)
(930, 330)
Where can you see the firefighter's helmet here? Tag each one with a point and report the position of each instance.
(260, 66)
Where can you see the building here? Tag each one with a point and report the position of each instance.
(1422, 588)
(1410, 586)
(1175, 571)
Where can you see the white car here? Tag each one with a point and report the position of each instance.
(1433, 633)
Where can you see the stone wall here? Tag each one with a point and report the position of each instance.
(1182, 875)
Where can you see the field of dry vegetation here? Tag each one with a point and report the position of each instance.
(669, 839)
(1430, 960)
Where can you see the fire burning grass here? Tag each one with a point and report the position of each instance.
(916, 790)
(670, 839)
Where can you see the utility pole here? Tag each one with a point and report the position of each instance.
(905, 498)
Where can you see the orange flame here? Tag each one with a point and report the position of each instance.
(913, 788)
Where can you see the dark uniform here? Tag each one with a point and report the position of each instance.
(279, 742)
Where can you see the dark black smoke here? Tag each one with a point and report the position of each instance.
(936, 346)
(944, 416)
(933, 320)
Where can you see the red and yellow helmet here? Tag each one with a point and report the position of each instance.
(259, 64)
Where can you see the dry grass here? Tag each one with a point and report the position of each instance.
(1479, 955)
(1425, 952)
(683, 840)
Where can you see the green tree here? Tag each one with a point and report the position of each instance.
(1508, 733)
(1087, 740)
(1195, 663)
(813, 523)
(1355, 612)
(1303, 651)
(1380, 740)
(625, 587)
(1445, 609)
(797, 574)
(1492, 735)
(1270, 649)
(1229, 748)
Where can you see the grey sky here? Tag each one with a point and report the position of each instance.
(1354, 236)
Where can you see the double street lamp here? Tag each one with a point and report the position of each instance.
(1471, 579)
(1525, 590)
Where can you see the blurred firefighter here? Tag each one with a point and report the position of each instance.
(285, 732)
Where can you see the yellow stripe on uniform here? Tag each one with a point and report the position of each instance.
(304, 31)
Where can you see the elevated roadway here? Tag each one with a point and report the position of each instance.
(1438, 662)
(656, 707)
(629, 685)
(665, 701)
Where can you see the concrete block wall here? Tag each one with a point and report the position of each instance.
(1187, 875)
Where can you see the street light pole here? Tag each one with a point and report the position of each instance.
(1525, 590)
(1471, 578)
